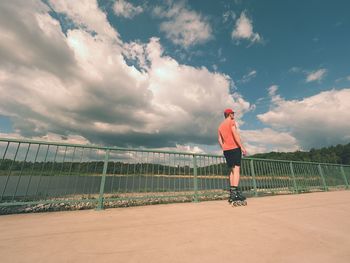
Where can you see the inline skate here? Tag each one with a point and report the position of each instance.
(236, 198)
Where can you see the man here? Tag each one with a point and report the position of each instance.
(232, 147)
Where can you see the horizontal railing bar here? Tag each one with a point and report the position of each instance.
(104, 147)
(290, 161)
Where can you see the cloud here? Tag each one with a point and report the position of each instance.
(249, 76)
(275, 98)
(317, 75)
(317, 121)
(244, 30)
(126, 9)
(183, 27)
(272, 90)
(228, 15)
(50, 137)
(87, 82)
(19, 48)
(185, 148)
(93, 21)
(267, 140)
(347, 78)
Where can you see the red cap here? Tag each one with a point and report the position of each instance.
(228, 111)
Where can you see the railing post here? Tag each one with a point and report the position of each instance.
(293, 177)
(103, 182)
(195, 179)
(254, 178)
(323, 178)
(344, 176)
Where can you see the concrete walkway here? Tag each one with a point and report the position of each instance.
(295, 228)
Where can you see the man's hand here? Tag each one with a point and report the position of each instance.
(244, 151)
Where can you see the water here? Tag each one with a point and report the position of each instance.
(60, 186)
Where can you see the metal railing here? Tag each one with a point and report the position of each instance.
(38, 172)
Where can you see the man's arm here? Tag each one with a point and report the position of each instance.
(220, 140)
(238, 139)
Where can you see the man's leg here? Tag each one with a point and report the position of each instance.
(234, 181)
(235, 193)
(235, 176)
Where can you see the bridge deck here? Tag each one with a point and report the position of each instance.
(295, 228)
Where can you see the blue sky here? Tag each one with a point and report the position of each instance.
(158, 74)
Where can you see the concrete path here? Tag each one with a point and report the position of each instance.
(295, 228)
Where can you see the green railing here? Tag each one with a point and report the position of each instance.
(41, 173)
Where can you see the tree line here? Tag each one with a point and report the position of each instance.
(339, 154)
(93, 167)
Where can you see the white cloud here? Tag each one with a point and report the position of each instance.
(86, 13)
(244, 30)
(267, 140)
(249, 76)
(183, 27)
(342, 79)
(126, 9)
(80, 84)
(136, 51)
(185, 148)
(49, 137)
(317, 75)
(71, 138)
(275, 98)
(272, 90)
(184, 90)
(316, 121)
(221, 58)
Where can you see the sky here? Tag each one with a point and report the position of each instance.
(159, 74)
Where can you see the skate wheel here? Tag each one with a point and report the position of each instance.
(239, 203)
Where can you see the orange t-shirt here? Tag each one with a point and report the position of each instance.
(225, 131)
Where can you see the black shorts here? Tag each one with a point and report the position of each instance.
(233, 157)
